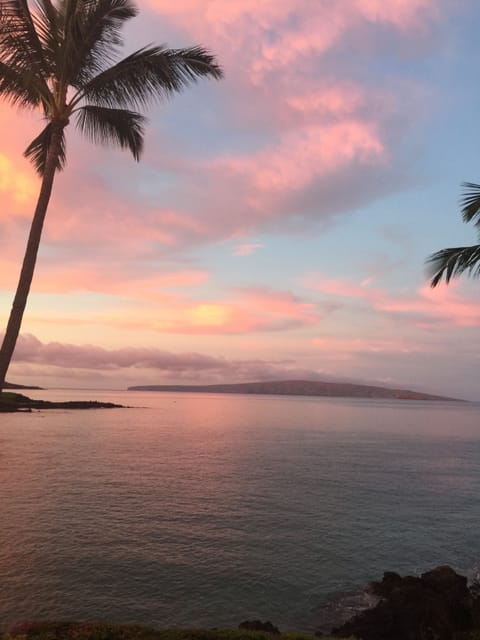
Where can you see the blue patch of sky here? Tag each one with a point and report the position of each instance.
(389, 240)
(197, 119)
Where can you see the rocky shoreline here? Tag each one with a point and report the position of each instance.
(437, 605)
(17, 402)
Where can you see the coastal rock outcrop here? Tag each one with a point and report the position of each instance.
(12, 402)
(438, 605)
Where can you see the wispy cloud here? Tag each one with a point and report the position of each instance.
(247, 248)
(427, 307)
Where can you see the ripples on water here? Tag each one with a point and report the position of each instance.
(210, 509)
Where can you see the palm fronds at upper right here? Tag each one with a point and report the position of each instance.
(454, 261)
(450, 263)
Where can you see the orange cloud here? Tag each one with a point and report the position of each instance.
(250, 310)
(164, 312)
(17, 186)
(210, 315)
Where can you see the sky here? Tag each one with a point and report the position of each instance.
(278, 223)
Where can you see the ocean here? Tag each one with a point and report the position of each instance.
(206, 510)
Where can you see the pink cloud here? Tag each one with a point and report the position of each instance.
(247, 248)
(300, 158)
(428, 306)
(443, 303)
(272, 36)
(400, 13)
(112, 281)
(33, 357)
(320, 127)
(309, 133)
(337, 101)
(316, 129)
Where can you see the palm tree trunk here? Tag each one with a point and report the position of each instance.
(30, 258)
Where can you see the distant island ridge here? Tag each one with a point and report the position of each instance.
(300, 388)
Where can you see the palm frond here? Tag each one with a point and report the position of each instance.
(471, 203)
(21, 86)
(20, 44)
(93, 34)
(450, 263)
(48, 27)
(113, 126)
(37, 150)
(150, 74)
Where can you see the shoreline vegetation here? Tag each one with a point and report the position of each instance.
(101, 631)
(11, 402)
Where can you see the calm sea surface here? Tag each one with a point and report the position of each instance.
(211, 509)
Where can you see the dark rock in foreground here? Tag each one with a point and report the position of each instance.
(436, 606)
(11, 402)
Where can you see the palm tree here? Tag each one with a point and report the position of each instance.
(60, 57)
(450, 263)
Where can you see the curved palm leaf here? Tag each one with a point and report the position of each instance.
(20, 44)
(149, 73)
(113, 126)
(450, 263)
(471, 203)
(37, 150)
(94, 35)
(21, 86)
(47, 24)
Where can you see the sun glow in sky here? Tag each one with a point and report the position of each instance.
(278, 222)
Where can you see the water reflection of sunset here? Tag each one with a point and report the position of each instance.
(197, 508)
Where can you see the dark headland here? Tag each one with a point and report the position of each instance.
(300, 388)
(11, 385)
(11, 402)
